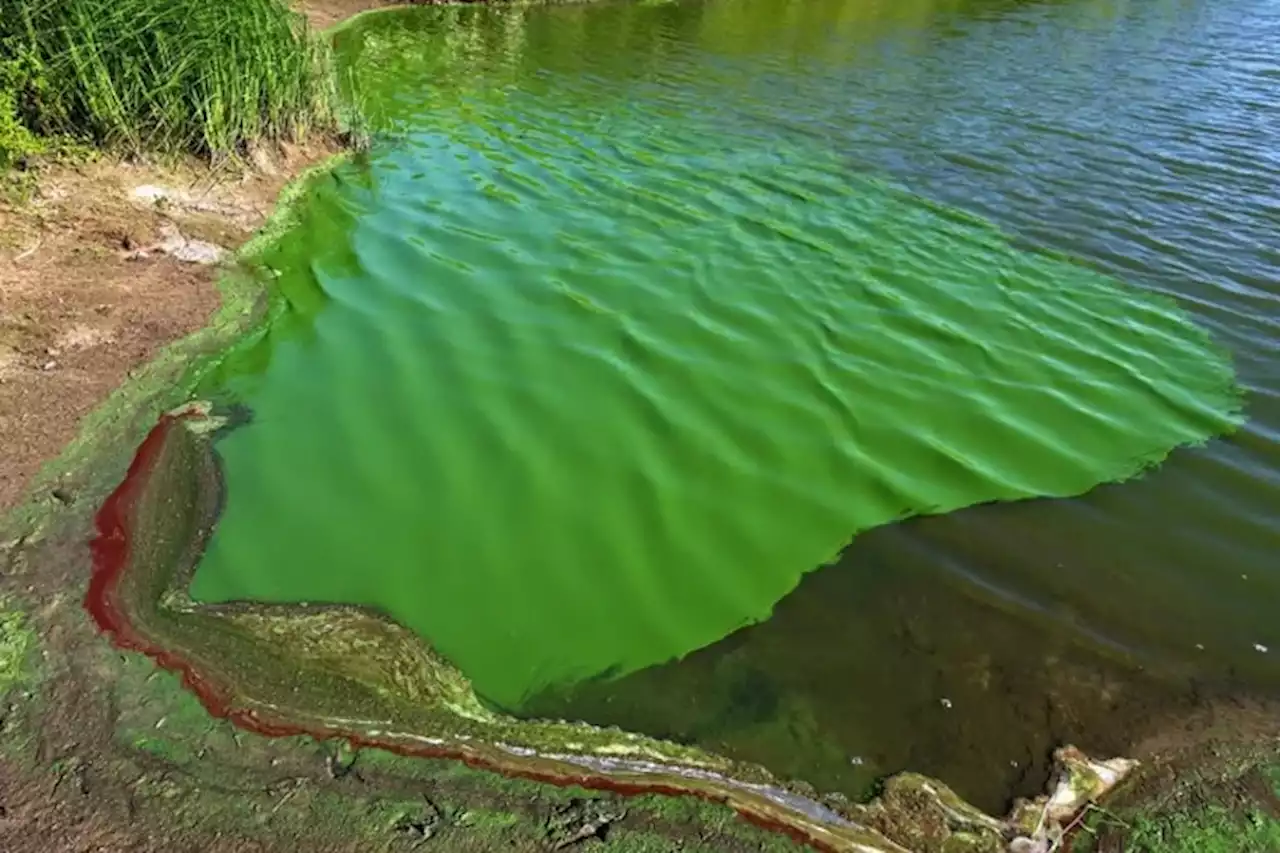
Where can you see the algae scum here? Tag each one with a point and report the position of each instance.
(605, 345)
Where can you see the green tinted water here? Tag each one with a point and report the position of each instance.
(636, 315)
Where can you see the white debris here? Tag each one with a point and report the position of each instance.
(164, 197)
(946, 703)
(175, 244)
(186, 249)
(150, 193)
(1258, 647)
(1022, 844)
(1069, 795)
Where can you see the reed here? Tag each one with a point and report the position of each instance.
(203, 76)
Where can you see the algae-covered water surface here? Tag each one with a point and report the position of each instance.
(635, 316)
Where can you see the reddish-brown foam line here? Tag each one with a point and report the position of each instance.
(110, 550)
(110, 553)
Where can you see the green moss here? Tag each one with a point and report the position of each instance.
(690, 811)
(961, 842)
(625, 841)
(684, 810)
(488, 820)
(17, 641)
(1211, 830)
(457, 775)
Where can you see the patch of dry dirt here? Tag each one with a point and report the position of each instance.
(83, 300)
(325, 13)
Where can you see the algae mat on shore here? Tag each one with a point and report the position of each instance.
(597, 353)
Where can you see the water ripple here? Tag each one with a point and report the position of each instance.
(610, 343)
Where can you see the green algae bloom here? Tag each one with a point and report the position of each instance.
(583, 368)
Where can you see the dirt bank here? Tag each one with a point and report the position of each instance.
(82, 301)
(87, 292)
(325, 13)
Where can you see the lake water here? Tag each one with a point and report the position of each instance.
(842, 385)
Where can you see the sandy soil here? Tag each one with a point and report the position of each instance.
(84, 299)
(325, 13)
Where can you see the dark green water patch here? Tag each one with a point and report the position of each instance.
(592, 359)
(891, 659)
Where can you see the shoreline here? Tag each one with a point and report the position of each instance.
(43, 524)
(127, 561)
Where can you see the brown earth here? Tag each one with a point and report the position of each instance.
(325, 13)
(81, 305)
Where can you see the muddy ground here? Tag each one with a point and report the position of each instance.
(101, 752)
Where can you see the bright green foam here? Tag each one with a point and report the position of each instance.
(582, 374)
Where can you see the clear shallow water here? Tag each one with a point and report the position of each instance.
(638, 314)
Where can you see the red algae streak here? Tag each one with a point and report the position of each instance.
(781, 828)
(111, 554)
(110, 547)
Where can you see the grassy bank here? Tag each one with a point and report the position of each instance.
(207, 77)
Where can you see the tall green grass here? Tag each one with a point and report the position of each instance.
(16, 140)
(202, 76)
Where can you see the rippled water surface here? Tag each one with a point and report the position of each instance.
(635, 316)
